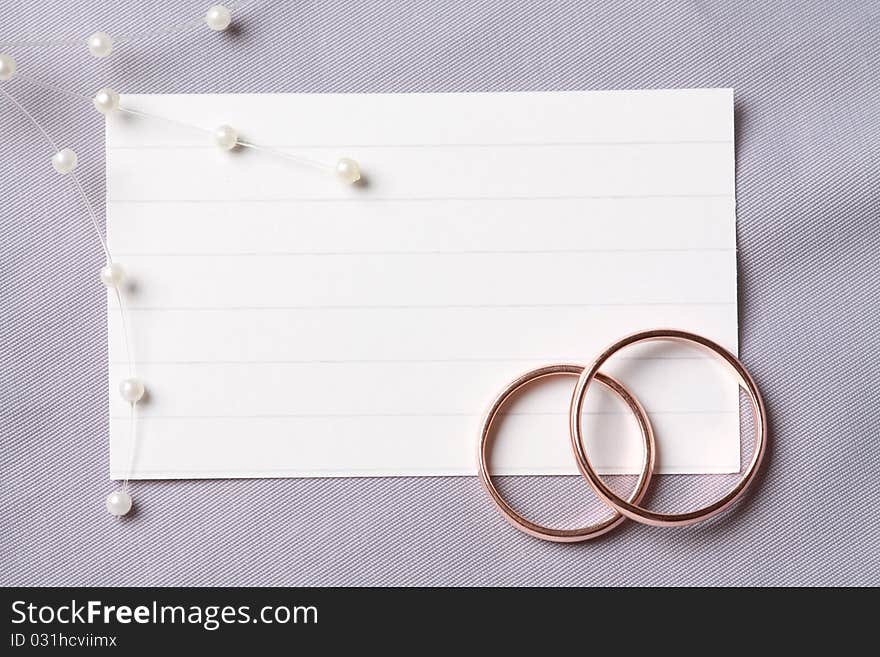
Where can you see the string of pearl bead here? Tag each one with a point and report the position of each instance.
(107, 100)
(217, 18)
(64, 161)
(100, 44)
(118, 502)
(132, 390)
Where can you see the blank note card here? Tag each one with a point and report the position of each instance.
(286, 324)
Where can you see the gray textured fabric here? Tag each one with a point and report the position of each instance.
(806, 75)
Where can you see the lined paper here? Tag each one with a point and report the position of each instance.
(288, 325)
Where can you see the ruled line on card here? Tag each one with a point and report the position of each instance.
(427, 307)
(415, 199)
(281, 416)
(396, 361)
(513, 144)
(451, 252)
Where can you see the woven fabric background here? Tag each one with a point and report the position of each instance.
(807, 81)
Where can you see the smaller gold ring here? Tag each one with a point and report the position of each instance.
(551, 533)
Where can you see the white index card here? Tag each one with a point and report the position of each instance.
(288, 325)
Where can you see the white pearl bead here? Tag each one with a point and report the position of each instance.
(226, 137)
(112, 274)
(64, 161)
(118, 503)
(100, 44)
(347, 170)
(218, 17)
(131, 389)
(106, 101)
(7, 67)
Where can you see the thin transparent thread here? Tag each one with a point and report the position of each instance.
(166, 119)
(132, 432)
(299, 159)
(121, 305)
(124, 320)
(49, 87)
(185, 26)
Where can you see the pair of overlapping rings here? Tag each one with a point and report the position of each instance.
(622, 508)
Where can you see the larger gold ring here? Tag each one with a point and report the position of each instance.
(630, 508)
